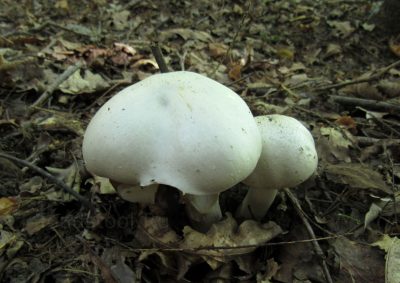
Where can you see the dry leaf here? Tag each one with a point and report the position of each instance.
(8, 205)
(358, 262)
(333, 142)
(60, 121)
(6, 238)
(373, 213)
(394, 46)
(38, 222)
(390, 88)
(235, 72)
(186, 34)
(356, 176)
(347, 121)
(89, 83)
(103, 185)
(363, 90)
(217, 49)
(341, 29)
(227, 233)
(392, 247)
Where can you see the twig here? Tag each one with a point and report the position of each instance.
(49, 91)
(369, 103)
(156, 50)
(363, 80)
(49, 176)
(311, 233)
(170, 248)
(371, 141)
(380, 121)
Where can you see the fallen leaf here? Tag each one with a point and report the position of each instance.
(390, 88)
(334, 143)
(358, 262)
(392, 247)
(6, 238)
(341, 29)
(8, 205)
(227, 233)
(356, 176)
(373, 213)
(394, 46)
(235, 72)
(89, 83)
(217, 49)
(38, 222)
(59, 121)
(347, 121)
(363, 90)
(103, 185)
(186, 34)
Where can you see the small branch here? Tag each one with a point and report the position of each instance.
(368, 103)
(156, 50)
(363, 80)
(49, 91)
(371, 141)
(311, 233)
(49, 176)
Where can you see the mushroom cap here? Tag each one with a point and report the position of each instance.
(180, 129)
(288, 155)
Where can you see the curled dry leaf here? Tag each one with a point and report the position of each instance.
(227, 233)
(232, 239)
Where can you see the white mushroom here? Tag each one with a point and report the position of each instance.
(288, 158)
(179, 129)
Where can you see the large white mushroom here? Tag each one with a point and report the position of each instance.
(179, 129)
(288, 158)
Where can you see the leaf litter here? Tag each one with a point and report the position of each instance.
(288, 57)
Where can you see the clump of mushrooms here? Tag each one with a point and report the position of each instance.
(179, 129)
(288, 158)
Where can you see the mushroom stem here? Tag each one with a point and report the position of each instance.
(256, 203)
(203, 210)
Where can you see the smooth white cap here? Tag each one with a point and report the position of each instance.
(288, 155)
(180, 129)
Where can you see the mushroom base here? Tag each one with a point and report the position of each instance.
(203, 211)
(256, 203)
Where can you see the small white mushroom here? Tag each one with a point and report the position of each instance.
(179, 129)
(288, 158)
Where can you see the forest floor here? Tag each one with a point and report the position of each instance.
(322, 62)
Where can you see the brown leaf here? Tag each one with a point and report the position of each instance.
(390, 88)
(38, 222)
(394, 46)
(235, 72)
(363, 90)
(347, 121)
(358, 263)
(217, 49)
(356, 176)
